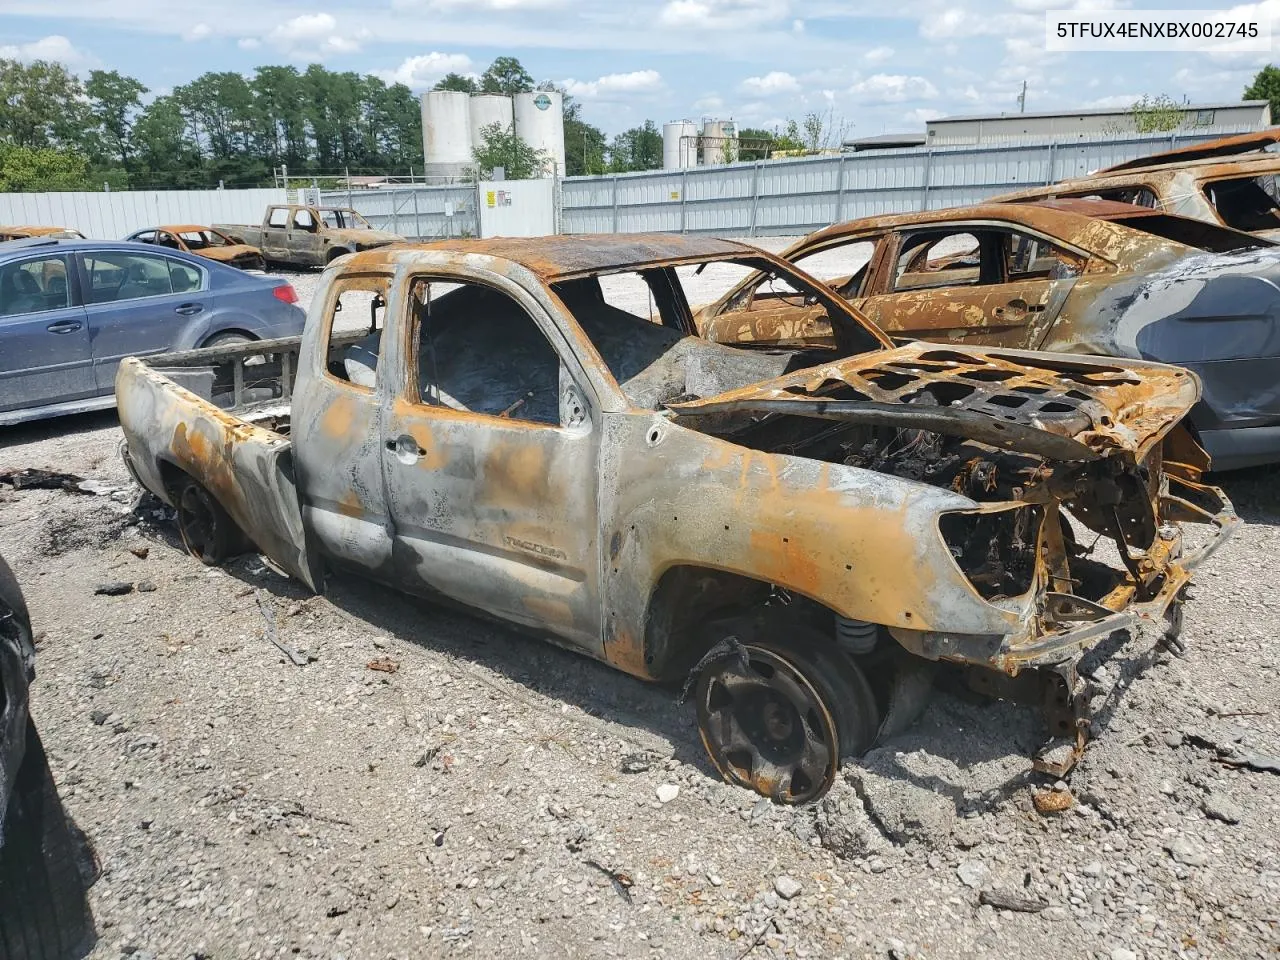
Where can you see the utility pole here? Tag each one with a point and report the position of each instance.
(1022, 98)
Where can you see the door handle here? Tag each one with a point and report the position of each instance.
(64, 326)
(189, 309)
(405, 448)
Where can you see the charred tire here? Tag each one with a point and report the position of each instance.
(207, 530)
(43, 911)
(781, 723)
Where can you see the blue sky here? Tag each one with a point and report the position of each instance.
(871, 68)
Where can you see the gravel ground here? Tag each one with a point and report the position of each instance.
(430, 784)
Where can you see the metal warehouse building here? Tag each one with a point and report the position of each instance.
(1199, 119)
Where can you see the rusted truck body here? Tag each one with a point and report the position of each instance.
(308, 236)
(1230, 182)
(500, 433)
(1073, 276)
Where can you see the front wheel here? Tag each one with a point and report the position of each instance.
(778, 717)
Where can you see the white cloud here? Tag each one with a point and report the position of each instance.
(771, 83)
(893, 88)
(1116, 101)
(921, 115)
(711, 103)
(722, 14)
(54, 47)
(797, 26)
(878, 54)
(199, 32)
(505, 6)
(638, 81)
(424, 70)
(314, 36)
(248, 43)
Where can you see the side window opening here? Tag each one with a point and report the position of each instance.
(279, 217)
(353, 329)
(303, 220)
(116, 277)
(34, 286)
(1034, 258)
(843, 267)
(476, 349)
(183, 277)
(942, 259)
(1139, 196)
(1245, 203)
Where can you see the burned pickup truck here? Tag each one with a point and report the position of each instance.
(500, 423)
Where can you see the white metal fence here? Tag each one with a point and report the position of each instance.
(772, 197)
(114, 215)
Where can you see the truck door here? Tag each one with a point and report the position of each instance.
(336, 417)
(45, 356)
(306, 238)
(489, 453)
(275, 234)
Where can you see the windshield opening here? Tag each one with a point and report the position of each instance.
(641, 324)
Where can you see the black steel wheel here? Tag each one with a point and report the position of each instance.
(781, 723)
(207, 531)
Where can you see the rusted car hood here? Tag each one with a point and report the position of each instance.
(1059, 406)
(229, 253)
(364, 238)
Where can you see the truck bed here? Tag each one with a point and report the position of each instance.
(220, 416)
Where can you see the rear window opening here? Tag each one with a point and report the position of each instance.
(1197, 233)
(1246, 203)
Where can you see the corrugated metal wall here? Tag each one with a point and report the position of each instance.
(111, 216)
(775, 197)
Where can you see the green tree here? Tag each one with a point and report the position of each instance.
(42, 105)
(1266, 86)
(754, 143)
(114, 103)
(506, 149)
(280, 116)
(34, 169)
(639, 148)
(163, 150)
(1156, 114)
(458, 83)
(506, 75)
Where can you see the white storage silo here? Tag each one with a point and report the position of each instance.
(719, 142)
(679, 145)
(446, 133)
(489, 108)
(540, 123)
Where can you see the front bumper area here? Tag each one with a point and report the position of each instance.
(1065, 625)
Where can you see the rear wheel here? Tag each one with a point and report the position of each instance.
(227, 339)
(43, 911)
(781, 722)
(207, 530)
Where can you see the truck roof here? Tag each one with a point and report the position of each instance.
(558, 257)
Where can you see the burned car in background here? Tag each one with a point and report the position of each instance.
(202, 242)
(1074, 276)
(44, 914)
(506, 427)
(1231, 182)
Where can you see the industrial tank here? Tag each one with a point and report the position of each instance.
(679, 145)
(540, 123)
(489, 108)
(719, 142)
(446, 133)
